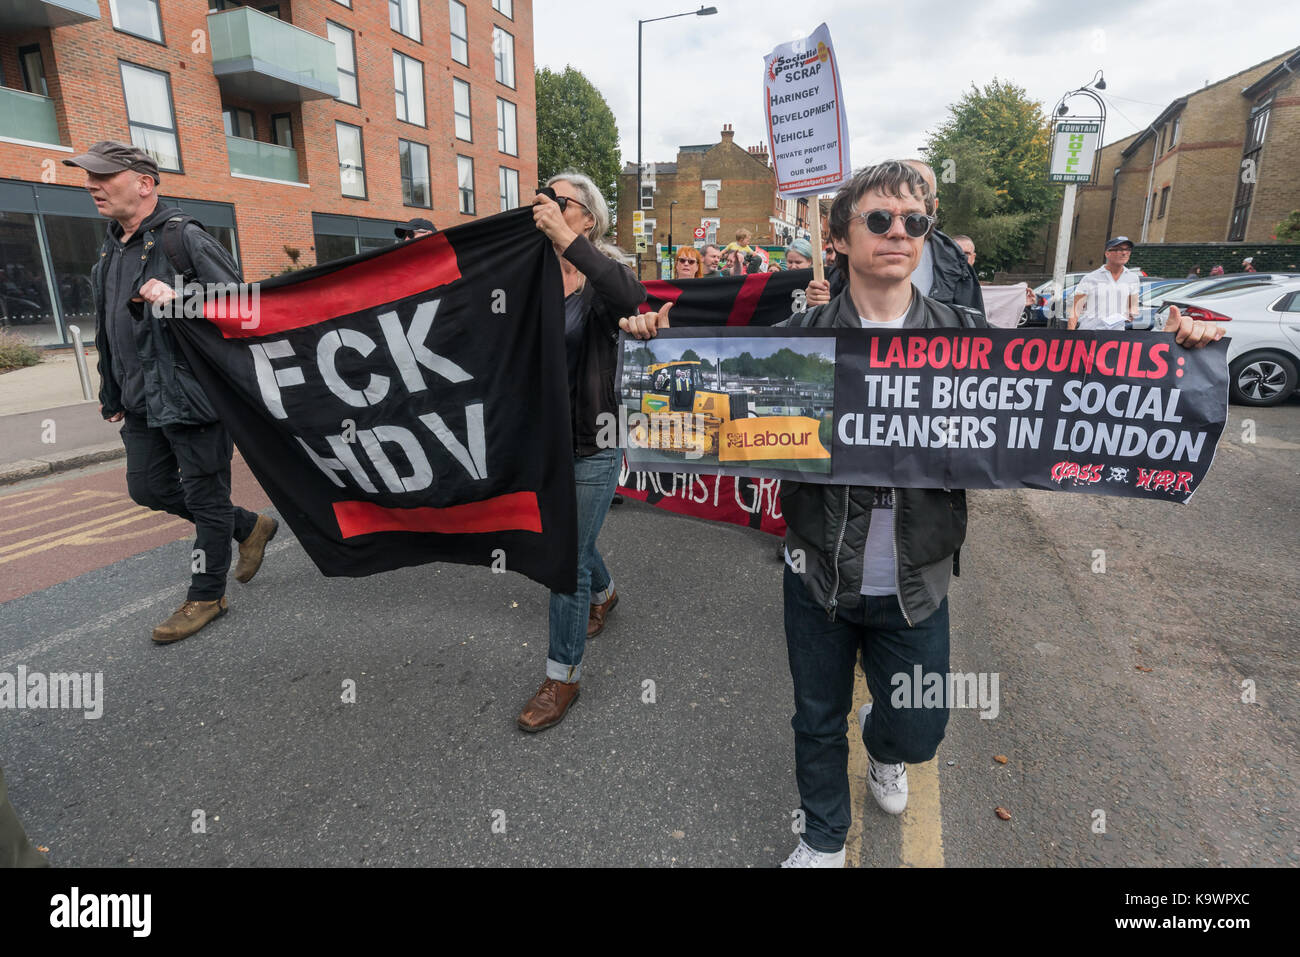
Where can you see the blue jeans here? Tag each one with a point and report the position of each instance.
(597, 477)
(822, 654)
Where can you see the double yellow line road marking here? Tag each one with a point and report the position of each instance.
(921, 823)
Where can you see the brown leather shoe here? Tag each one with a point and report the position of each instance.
(596, 615)
(548, 707)
(253, 549)
(188, 619)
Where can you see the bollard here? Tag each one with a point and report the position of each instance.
(81, 362)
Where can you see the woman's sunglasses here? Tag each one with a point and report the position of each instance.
(879, 221)
(686, 260)
(564, 201)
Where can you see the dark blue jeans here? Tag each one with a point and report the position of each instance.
(822, 654)
(597, 477)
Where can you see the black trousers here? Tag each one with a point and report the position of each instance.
(185, 471)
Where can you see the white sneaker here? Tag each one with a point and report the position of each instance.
(805, 856)
(888, 782)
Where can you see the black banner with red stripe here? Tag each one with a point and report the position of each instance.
(759, 299)
(402, 407)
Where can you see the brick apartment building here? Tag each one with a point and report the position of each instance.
(719, 186)
(307, 127)
(1217, 165)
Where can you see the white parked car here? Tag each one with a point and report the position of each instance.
(1263, 326)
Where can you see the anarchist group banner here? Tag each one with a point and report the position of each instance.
(1109, 413)
(404, 406)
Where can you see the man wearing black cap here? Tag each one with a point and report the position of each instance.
(1107, 297)
(177, 453)
(415, 229)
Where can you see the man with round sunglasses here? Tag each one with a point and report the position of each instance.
(943, 272)
(868, 568)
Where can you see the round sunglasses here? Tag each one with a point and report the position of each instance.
(879, 222)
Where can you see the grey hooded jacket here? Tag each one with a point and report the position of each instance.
(830, 522)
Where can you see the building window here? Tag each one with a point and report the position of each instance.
(239, 122)
(503, 48)
(504, 7)
(465, 181)
(282, 130)
(1255, 131)
(509, 188)
(1164, 202)
(1160, 145)
(149, 113)
(1173, 136)
(140, 17)
(647, 196)
(344, 3)
(460, 106)
(408, 82)
(459, 32)
(345, 56)
(711, 188)
(404, 17)
(414, 161)
(506, 130)
(33, 70)
(352, 160)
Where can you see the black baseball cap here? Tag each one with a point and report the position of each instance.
(107, 157)
(1118, 241)
(401, 232)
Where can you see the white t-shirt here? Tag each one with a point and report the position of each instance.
(1106, 307)
(878, 574)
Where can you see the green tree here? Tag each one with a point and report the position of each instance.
(576, 130)
(690, 355)
(1288, 231)
(991, 157)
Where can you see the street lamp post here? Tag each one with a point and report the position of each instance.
(702, 12)
(1071, 189)
(670, 231)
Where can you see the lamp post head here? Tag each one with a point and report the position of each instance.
(706, 11)
(1101, 81)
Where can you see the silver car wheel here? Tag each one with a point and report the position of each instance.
(1262, 379)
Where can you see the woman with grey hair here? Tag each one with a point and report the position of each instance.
(598, 290)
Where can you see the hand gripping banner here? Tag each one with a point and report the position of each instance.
(403, 406)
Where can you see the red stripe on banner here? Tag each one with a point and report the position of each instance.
(659, 289)
(515, 511)
(742, 310)
(415, 267)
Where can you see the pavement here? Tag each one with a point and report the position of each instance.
(45, 423)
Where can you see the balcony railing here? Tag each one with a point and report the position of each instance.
(263, 160)
(259, 57)
(26, 116)
(27, 14)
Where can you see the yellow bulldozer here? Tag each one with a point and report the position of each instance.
(684, 415)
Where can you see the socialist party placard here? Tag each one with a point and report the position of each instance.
(807, 124)
(1130, 414)
(403, 406)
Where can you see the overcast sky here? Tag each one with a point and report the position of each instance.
(902, 62)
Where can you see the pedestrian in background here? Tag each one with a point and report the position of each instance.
(1216, 271)
(598, 290)
(1107, 298)
(798, 255)
(689, 264)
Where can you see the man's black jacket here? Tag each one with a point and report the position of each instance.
(172, 395)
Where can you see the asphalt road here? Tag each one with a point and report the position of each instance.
(1120, 692)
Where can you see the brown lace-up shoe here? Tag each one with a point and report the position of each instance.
(188, 619)
(253, 549)
(596, 616)
(548, 707)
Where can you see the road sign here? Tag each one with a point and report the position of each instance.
(700, 232)
(638, 230)
(1074, 144)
